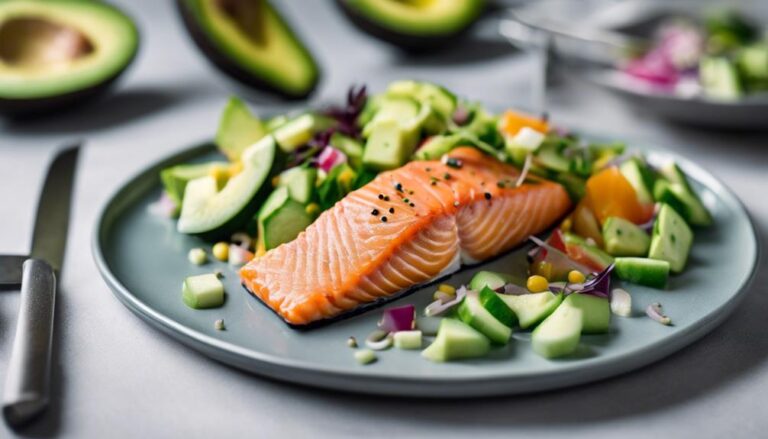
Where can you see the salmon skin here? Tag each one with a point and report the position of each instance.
(407, 227)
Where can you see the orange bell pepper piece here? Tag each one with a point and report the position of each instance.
(610, 194)
(512, 121)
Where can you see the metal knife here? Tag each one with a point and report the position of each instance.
(27, 382)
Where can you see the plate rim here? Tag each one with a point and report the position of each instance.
(378, 382)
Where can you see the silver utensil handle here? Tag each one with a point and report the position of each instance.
(28, 379)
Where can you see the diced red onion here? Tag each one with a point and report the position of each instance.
(654, 312)
(242, 240)
(379, 340)
(164, 207)
(621, 302)
(397, 319)
(239, 255)
(330, 157)
(460, 115)
(438, 307)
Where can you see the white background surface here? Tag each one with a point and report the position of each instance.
(116, 377)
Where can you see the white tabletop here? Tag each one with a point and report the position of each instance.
(116, 377)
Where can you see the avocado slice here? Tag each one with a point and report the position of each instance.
(249, 41)
(55, 54)
(238, 129)
(413, 25)
(212, 213)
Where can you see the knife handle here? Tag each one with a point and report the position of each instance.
(28, 378)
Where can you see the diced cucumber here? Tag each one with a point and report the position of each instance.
(365, 356)
(490, 279)
(698, 215)
(550, 156)
(671, 240)
(596, 312)
(456, 340)
(408, 339)
(436, 146)
(300, 182)
(472, 312)
(531, 309)
(640, 177)
(349, 146)
(559, 334)
(497, 307)
(753, 61)
(281, 219)
(388, 146)
(624, 238)
(664, 193)
(720, 78)
(203, 291)
(643, 271)
(298, 131)
(442, 100)
(238, 129)
(401, 110)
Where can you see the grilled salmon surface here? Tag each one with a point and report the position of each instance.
(407, 227)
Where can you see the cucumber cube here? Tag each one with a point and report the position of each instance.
(531, 309)
(559, 334)
(472, 312)
(643, 271)
(623, 238)
(456, 340)
(203, 291)
(671, 240)
(408, 339)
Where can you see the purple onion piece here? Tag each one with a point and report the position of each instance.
(654, 312)
(397, 319)
(460, 115)
(439, 307)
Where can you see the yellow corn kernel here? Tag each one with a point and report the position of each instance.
(346, 177)
(312, 209)
(235, 168)
(447, 289)
(220, 174)
(566, 225)
(537, 284)
(576, 277)
(221, 251)
(544, 269)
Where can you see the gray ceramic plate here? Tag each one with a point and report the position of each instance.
(144, 260)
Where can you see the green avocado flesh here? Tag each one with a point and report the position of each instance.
(238, 129)
(51, 48)
(456, 340)
(419, 17)
(251, 37)
(214, 213)
(175, 178)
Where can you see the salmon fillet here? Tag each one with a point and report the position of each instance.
(407, 227)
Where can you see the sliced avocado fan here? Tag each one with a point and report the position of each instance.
(249, 41)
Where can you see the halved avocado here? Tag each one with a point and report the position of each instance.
(413, 24)
(57, 53)
(249, 41)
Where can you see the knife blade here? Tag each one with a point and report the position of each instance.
(27, 382)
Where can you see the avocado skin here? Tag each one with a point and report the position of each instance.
(409, 43)
(22, 109)
(226, 65)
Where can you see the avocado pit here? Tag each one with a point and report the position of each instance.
(38, 42)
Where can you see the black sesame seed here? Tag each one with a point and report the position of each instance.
(381, 196)
(487, 195)
(447, 176)
(412, 205)
(375, 212)
(399, 187)
(405, 200)
(453, 162)
(410, 192)
(433, 183)
(386, 198)
(391, 210)
(384, 219)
